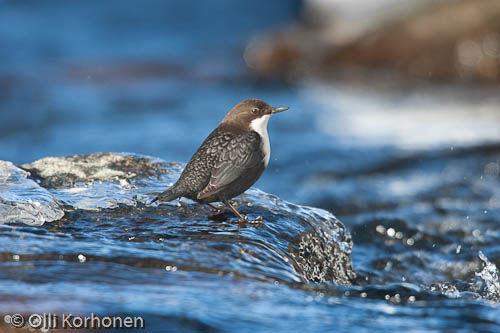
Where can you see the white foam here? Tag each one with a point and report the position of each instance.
(420, 120)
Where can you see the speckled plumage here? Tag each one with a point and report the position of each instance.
(214, 172)
(230, 160)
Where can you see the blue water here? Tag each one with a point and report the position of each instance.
(414, 174)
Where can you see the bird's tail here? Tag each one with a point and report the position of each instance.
(168, 195)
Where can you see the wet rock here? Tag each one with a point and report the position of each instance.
(319, 261)
(443, 41)
(66, 171)
(102, 180)
(109, 193)
(22, 200)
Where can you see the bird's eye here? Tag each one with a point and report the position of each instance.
(255, 110)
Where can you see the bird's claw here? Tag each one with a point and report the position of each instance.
(257, 220)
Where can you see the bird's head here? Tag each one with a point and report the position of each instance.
(251, 114)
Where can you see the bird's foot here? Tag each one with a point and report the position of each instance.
(256, 221)
(218, 211)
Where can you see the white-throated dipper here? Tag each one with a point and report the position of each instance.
(230, 160)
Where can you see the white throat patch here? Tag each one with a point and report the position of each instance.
(259, 125)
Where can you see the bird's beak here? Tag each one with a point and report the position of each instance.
(280, 109)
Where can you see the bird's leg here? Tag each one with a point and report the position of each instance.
(241, 218)
(218, 210)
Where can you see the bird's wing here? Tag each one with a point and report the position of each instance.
(242, 152)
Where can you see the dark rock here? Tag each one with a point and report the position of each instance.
(319, 261)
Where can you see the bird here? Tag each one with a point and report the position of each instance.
(230, 160)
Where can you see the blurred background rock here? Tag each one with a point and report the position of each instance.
(439, 41)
